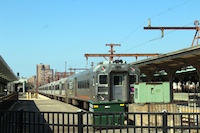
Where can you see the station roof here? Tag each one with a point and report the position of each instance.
(176, 59)
(6, 74)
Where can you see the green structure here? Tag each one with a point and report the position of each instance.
(157, 92)
(103, 113)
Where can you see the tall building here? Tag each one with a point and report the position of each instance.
(44, 74)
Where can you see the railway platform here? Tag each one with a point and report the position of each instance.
(41, 104)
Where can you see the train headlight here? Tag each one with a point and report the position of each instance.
(103, 68)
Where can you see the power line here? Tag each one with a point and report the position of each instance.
(170, 9)
(153, 17)
(133, 32)
(156, 38)
(142, 24)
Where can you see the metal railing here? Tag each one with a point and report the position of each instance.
(89, 122)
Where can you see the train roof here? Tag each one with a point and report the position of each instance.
(95, 68)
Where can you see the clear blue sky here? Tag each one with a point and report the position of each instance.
(54, 32)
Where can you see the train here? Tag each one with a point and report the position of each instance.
(106, 82)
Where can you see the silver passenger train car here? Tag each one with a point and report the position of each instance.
(108, 81)
(55, 89)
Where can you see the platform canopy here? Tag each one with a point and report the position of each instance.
(6, 74)
(176, 59)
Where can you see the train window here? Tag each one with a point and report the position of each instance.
(117, 80)
(83, 84)
(51, 89)
(132, 79)
(70, 85)
(88, 84)
(57, 87)
(102, 79)
(62, 86)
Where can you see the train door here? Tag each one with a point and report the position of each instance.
(66, 92)
(119, 86)
(75, 87)
(63, 89)
(60, 88)
(70, 88)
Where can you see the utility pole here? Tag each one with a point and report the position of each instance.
(197, 28)
(112, 50)
(111, 55)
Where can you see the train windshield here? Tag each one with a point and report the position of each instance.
(133, 79)
(103, 79)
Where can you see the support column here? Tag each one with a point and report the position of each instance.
(182, 78)
(150, 75)
(171, 73)
(198, 71)
(24, 86)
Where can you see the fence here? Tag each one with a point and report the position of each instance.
(89, 122)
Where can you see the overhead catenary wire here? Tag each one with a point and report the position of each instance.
(142, 24)
(133, 32)
(170, 9)
(156, 38)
